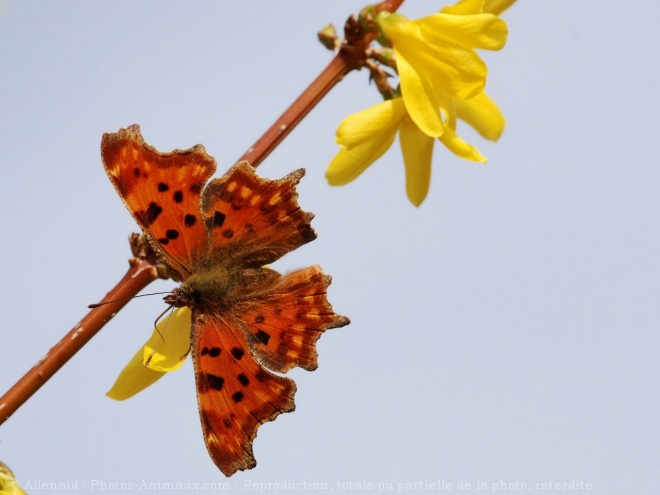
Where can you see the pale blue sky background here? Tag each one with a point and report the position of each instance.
(507, 330)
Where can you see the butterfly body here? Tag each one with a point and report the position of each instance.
(248, 321)
(208, 289)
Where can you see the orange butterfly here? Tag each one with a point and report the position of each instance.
(216, 239)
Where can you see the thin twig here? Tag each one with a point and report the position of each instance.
(142, 272)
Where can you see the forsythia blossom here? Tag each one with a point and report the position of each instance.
(366, 135)
(442, 79)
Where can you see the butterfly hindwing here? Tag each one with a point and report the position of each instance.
(284, 322)
(162, 191)
(254, 221)
(235, 394)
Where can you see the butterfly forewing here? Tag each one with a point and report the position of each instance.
(254, 221)
(162, 191)
(235, 393)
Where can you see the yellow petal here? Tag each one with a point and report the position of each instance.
(347, 165)
(13, 488)
(485, 31)
(370, 123)
(165, 352)
(450, 66)
(454, 70)
(417, 150)
(483, 114)
(464, 7)
(497, 6)
(134, 378)
(420, 99)
(460, 148)
(168, 347)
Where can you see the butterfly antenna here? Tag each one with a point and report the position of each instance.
(96, 305)
(170, 307)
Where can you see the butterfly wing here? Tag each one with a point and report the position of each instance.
(254, 221)
(162, 191)
(283, 323)
(235, 394)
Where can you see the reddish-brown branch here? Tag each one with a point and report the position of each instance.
(331, 75)
(141, 273)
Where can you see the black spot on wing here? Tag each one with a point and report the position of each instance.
(237, 353)
(172, 234)
(243, 379)
(237, 397)
(261, 376)
(215, 382)
(150, 215)
(218, 219)
(189, 220)
(213, 351)
(209, 381)
(262, 337)
(162, 187)
(178, 196)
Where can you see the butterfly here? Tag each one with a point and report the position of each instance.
(249, 322)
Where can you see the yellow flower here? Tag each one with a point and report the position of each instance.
(165, 351)
(441, 80)
(437, 62)
(365, 136)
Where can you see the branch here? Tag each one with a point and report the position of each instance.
(142, 272)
